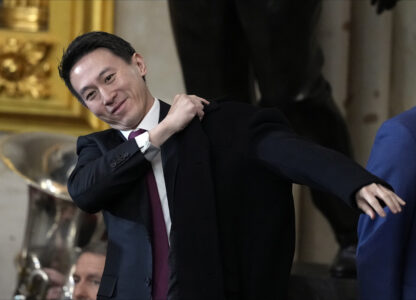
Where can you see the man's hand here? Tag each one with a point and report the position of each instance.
(184, 108)
(383, 4)
(368, 200)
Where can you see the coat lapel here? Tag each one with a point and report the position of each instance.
(169, 152)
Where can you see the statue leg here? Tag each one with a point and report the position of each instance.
(287, 64)
(212, 50)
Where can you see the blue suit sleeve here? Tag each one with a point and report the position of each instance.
(382, 248)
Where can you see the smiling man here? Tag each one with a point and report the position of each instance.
(194, 209)
(98, 86)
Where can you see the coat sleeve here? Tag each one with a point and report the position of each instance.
(101, 174)
(381, 253)
(304, 162)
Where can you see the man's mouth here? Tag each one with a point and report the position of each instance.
(118, 107)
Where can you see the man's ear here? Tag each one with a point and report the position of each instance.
(137, 59)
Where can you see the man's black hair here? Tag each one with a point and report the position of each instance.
(85, 44)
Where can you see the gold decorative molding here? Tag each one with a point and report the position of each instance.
(24, 69)
(32, 96)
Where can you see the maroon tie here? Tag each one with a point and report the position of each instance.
(160, 247)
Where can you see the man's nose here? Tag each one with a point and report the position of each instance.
(80, 291)
(108, 95)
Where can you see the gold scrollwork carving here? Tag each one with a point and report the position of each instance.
(23, 68)
(32, 96)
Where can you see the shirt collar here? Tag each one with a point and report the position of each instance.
(150, 120)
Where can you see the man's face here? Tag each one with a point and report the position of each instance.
(87, 276)
(112, 89)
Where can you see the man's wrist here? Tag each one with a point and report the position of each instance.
(160, 134)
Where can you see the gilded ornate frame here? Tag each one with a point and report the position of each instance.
(38, 99)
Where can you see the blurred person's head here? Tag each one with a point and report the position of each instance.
(88, 271)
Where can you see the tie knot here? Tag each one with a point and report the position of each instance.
(135, 133)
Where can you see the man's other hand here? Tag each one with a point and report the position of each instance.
(55, 285)
(368, 199)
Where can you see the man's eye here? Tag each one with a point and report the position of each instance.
(76, 279)
(90, 95)
(96, 282)
(108, 78)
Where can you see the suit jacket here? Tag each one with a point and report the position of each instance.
(386, 255)
(228, 181)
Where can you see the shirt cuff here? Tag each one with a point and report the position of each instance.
(149, 151)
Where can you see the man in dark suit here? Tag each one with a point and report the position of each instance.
(194, 210)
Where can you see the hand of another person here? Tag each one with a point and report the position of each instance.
(183, 109)
(56, 282)
(368, 200)
(383, 4)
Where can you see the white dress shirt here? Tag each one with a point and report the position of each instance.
(152, 154)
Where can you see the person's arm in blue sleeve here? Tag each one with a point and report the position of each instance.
(382, 248)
